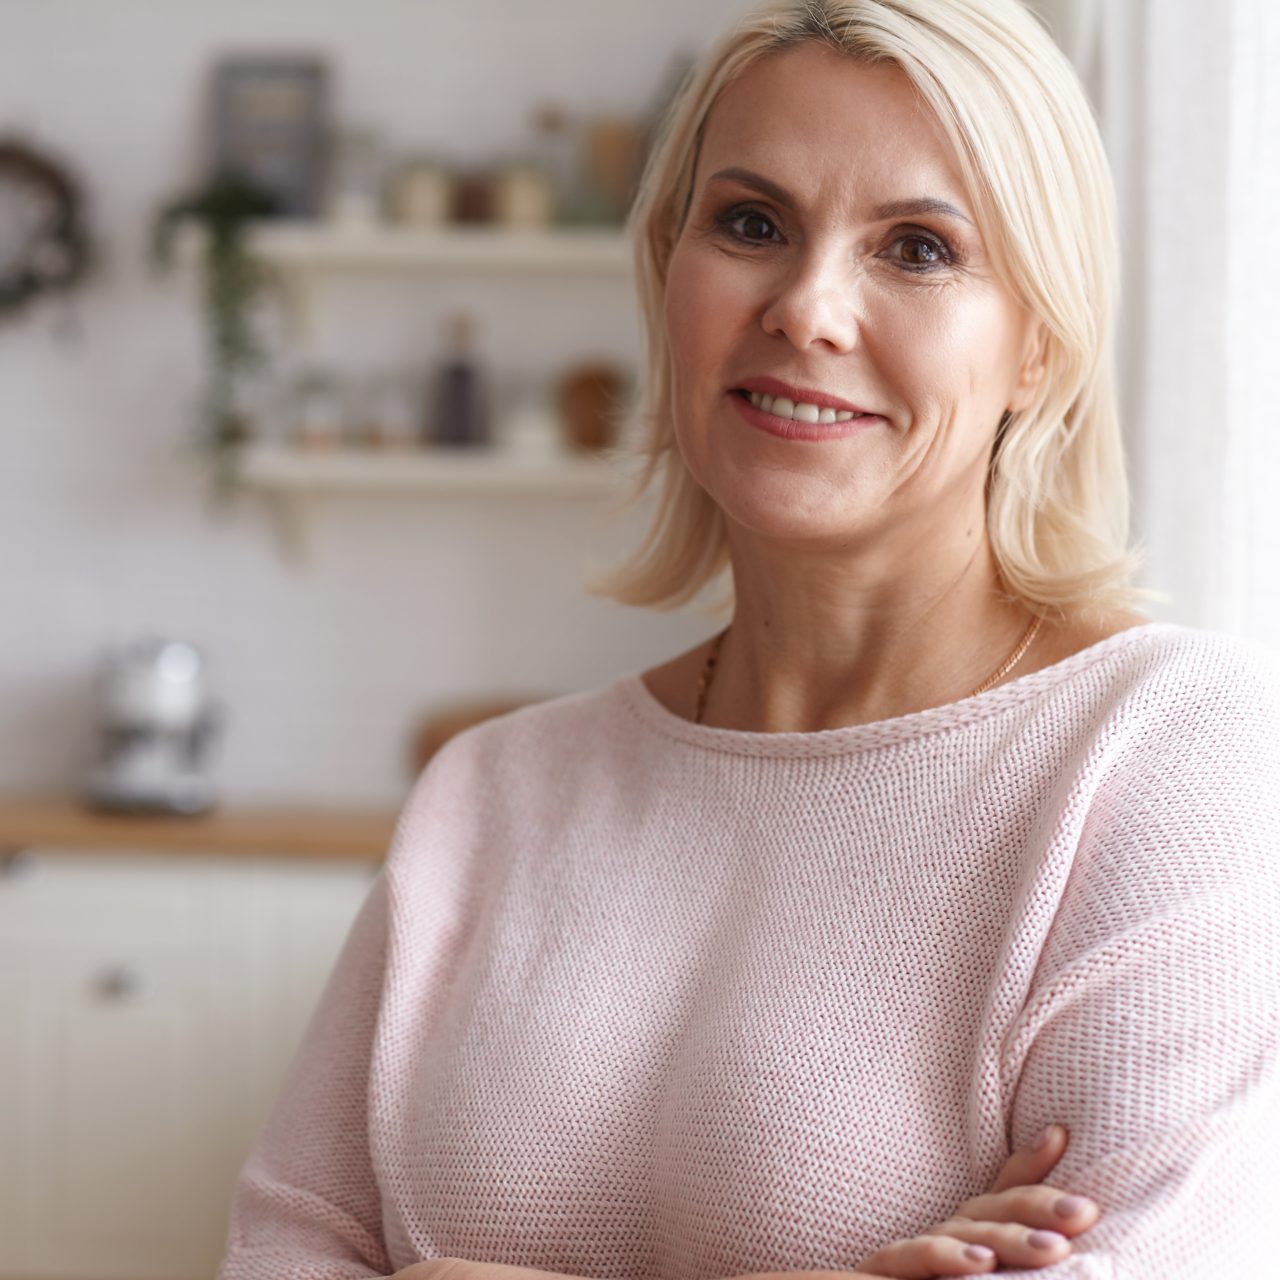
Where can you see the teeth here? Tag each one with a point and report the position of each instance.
(781, 407)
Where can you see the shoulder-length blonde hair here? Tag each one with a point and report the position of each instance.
(1034, 168)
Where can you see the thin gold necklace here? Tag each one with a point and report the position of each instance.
(704, 681)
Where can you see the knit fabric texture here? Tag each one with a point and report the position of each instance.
(633, 997)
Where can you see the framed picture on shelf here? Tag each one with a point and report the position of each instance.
(270, 124)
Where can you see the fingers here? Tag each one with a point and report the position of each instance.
(1045, 1207)
(975, 1248)
(924, 1257)
(1014, 1244)
(1029, 1164)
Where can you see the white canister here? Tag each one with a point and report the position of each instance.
(525, 196)
(420, 195)
(531, 431)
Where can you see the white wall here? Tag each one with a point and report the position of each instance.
(104, 527)
(104, 532)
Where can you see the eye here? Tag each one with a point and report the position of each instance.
(924, 252)
(749, 225)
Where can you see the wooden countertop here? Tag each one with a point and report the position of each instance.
(51, 822)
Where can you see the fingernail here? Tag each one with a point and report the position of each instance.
(1045, 1138)
(979, 1253)
(1045, 1239)
(1069, 1206)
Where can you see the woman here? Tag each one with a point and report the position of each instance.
(766, 959)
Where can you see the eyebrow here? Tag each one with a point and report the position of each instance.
(894, 208)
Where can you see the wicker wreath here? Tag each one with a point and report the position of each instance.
(44, 246)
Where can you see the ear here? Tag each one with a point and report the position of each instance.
(1032, 370)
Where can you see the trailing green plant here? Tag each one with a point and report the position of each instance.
(233, 281)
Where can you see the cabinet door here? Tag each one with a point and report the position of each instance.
(15, 1005)
(149, 1007)
(130, 1077)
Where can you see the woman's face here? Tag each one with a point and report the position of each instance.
(793, 270)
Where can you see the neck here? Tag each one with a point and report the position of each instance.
(800, 657)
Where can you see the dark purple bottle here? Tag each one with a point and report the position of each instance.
(459, 407)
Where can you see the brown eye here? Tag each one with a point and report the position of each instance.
(749, 225)
(755, 226)
(923, 253)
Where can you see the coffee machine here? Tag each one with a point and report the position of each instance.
(156, 723)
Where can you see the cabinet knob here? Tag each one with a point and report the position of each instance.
(117, 983)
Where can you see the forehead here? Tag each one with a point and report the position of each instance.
(824, 119)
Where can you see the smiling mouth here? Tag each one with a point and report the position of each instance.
(797, 411)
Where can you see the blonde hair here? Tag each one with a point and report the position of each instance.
(1033, 165)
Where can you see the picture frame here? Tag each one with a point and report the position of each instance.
(271, 126)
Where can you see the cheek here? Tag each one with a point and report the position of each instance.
(948, 355)
(707, 301)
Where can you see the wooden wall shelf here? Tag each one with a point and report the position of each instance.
(462, 472)
(317, 246)
(292, 479)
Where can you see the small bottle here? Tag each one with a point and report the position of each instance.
(558, 149)
(390, 409)
(459, 410)
(319, 412)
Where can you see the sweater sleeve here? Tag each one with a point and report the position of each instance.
(307, 1205)
(1151, 1030)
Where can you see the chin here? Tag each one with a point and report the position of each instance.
(790, 511)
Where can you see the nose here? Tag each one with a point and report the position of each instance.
(815, 303)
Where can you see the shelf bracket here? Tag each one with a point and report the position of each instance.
(288, 520)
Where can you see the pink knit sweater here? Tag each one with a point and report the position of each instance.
(638, 998)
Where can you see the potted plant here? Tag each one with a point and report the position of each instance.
(232, 283)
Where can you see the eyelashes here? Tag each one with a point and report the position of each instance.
(735, 222)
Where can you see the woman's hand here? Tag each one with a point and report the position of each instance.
(1018, 1223)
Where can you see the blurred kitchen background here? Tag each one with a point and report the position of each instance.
(302, 472)
(336, 608)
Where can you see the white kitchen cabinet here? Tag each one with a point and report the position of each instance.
(150, 1005)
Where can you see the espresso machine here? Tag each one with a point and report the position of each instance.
(156, 724)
